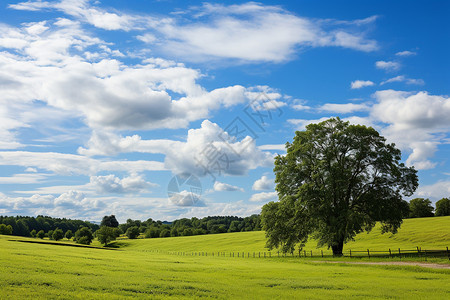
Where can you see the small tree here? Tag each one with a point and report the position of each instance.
(132, 232)
(33, 233)
(6, 229)
(40, 234)
(84, 236)
(443, 207)
(69, 234)
(50, 234)
(105, 235)
(57, 234)
(110, 221)
(420, 208)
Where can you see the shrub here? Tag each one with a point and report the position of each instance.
(84, 236)
(40, 234)
(132, 232)
(69, 234)
(57, 234)
(6, 229)
(164, 233)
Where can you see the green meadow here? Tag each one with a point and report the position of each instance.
(143, 268)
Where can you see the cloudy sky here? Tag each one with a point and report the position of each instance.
(103, 102)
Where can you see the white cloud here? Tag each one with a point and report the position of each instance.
(279, 147)
(357, 84)
(416, 122)
(245, 32)
(69, 164)
(225, 187)
(387, 65)
(264, 183)
(206, 150)
(435, 191)
(343, 108)
(264, 197)
(402, 78)
(405, 53)
(23, 179)
(112, 184)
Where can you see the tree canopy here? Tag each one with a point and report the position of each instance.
(443, 207)
(336, 181)
(420, 208)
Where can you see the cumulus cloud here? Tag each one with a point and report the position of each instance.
(264, 197)
(416, 121)
(225, 187)
(357, 84)
(112, 184)
(387, 65)
(208, 150)
(435, 191)
(264, 183)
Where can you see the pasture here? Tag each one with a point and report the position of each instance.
(136, 269)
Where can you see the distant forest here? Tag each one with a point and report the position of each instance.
(28, 226)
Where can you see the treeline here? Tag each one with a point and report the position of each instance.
(28, 226)
(193, 226)
(422, 208)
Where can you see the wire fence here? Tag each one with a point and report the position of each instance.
(389, 253)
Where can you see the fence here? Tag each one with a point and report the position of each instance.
(390, 253)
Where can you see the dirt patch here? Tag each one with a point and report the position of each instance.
(389, 263)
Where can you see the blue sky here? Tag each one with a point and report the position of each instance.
(104, 102)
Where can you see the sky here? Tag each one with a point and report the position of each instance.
(172, 109)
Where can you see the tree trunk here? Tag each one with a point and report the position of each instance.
(337, 248)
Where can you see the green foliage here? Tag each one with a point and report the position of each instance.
(58, 234)
(84, 236)
(132, 232)
(40, 234)
(22, 226)
(33, 233)
(106, 234)
(336, 181)
(6, 229)
(152, 232)
(50, 234)
(443, 207)
(69, 234)
(110, 221)
(164, 233)
(420, 208)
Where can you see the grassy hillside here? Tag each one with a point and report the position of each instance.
(427, 233)
(48, 271)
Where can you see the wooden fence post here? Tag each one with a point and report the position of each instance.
(390, 254)
(350, 253)
(278, 253)
(304, 252)
(368, 253)
(322, 252)
(448, 254)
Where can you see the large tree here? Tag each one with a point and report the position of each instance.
(443, 207)
(110, 221)
(336, 181)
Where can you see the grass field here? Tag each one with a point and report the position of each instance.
(46, 271)
(427, 233)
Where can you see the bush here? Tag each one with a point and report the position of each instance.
(164, 233)
(57, 234)
(132, 232)
(33, 233)
(188, 232)
(69, 234)
(40, 234)
(50, 234)
(6, 229)
(152, 232)
(443, 207)
(84, 236)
